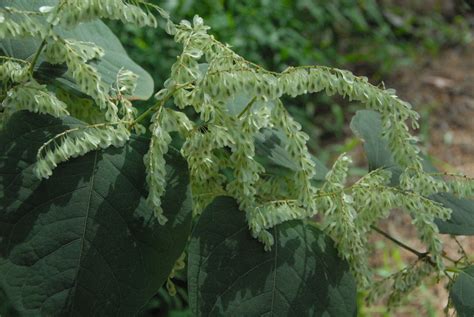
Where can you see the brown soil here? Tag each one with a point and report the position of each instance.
(445, 87)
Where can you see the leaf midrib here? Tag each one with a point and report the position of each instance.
(86, 220)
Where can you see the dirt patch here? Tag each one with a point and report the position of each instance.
(444, 88)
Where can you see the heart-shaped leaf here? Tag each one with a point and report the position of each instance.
(84, 242)
(230, 274)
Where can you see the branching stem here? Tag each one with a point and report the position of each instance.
(159, 104)
(420, 255)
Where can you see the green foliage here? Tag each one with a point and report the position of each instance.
(81, 234)
(461, 292)
(231, 275)
(462, 219)
(75, 244)
(367, 125)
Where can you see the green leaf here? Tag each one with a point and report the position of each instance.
(96, 32)
(271, 153)
(229, 273)
(462, 219)
(462, 293)
(368, 126)
(84, 242)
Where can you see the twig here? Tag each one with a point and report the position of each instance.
(420, 255)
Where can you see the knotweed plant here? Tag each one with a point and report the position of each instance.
(219, 105)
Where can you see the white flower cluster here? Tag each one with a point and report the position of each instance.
(461, 186)
(76, 55)
(72, 12)
(155, 165)
(351, 211)
(125, 85)
(228, 140)
(400, 283)
(424, 212)
(25, 93)
(164, 121)
(126, 82)
(340, 220)
(242, 77)
(77, 142)
(14, 71)
(11, 26)
(35, 98)
(422, 183)
(301, 187)
(373, 198)
(210, 78)
(268, 215)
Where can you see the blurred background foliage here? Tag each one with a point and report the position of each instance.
(373, 38)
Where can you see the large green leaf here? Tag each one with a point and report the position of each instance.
(367, 125)
(229, 273)
(84, 242)
(96, 32)
(462, 293)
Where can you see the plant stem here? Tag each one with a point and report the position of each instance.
(420, 255)
(14, 59)
(453, 269)
(37, 54)
(247, 107)
(146, 113)
(449, 258)
(159, 104)
(43, 42)
(153, 108)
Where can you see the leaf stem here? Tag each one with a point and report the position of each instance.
(444, 255)
(247, 107)
(420, 255)
(159, 104)
(64, 133)
(453, 269)
(37, 54)
(43, 42)
(13, 59)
